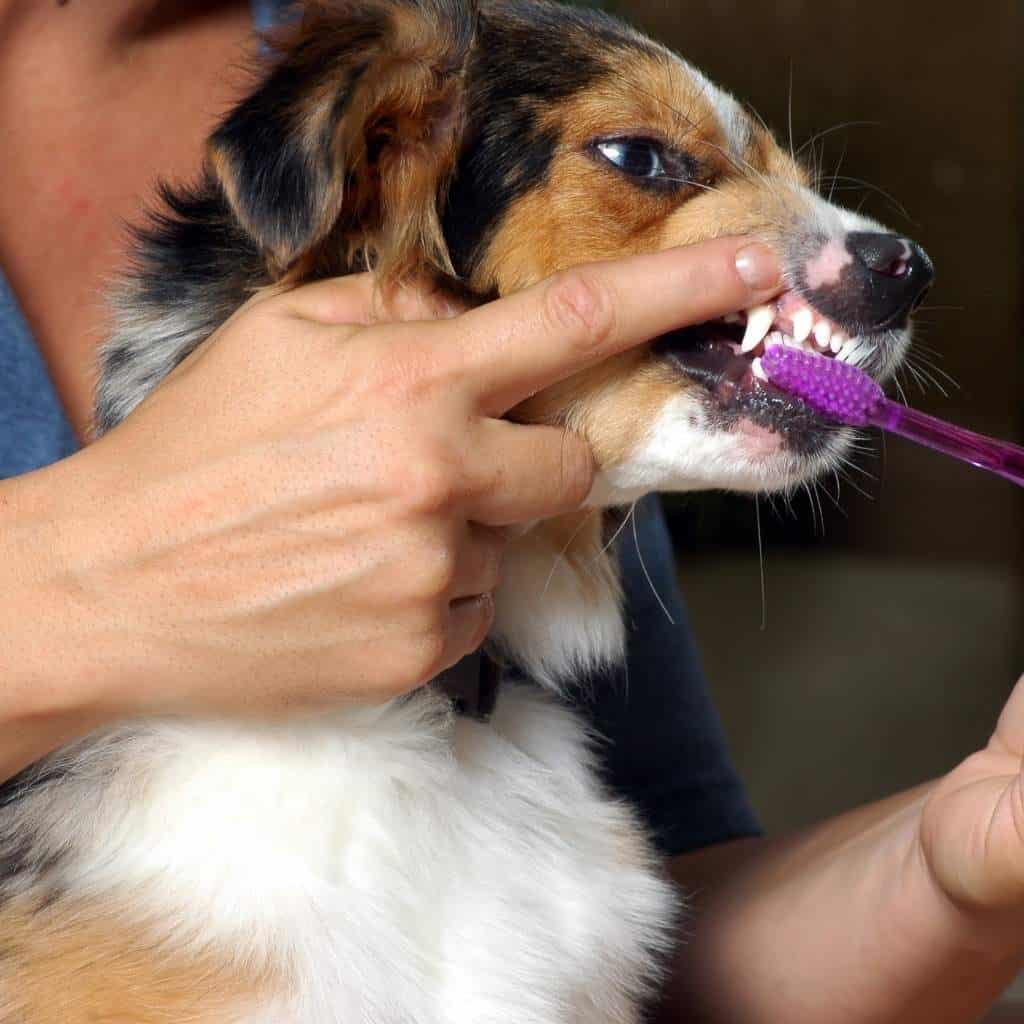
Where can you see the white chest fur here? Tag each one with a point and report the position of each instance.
(400, 864)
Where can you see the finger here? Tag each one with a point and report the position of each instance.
(478, 569)
(358, 299)
(511, 348)
(1009, 731)
(519, 473)
(469, 621)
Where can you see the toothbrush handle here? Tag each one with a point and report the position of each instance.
(1000, 457)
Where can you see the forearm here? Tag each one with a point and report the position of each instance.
(841, 923)
(47, 649)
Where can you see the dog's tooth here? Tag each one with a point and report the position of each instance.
(758, 369)
(759, 322)
(803, 321)
(837, 341)
(822, 334)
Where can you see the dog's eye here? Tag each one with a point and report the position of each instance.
(639, 158)
(648, 162)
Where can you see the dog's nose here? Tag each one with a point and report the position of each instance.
(892, 275)
(868, 280)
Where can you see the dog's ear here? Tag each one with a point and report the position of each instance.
(353, 135)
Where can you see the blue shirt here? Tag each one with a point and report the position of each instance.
(665, 750)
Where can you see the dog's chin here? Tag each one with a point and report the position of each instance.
(729, 429)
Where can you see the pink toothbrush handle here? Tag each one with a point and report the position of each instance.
(1001, 457)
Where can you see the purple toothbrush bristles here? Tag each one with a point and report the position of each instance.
(848, 395)
(837, 390)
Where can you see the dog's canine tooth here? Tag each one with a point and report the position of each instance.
(838, 341)
(759, 322)
(758, 369)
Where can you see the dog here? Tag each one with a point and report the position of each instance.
(403, 863)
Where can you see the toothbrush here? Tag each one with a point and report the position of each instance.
(848, 395)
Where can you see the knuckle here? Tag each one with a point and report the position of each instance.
(431, 483)
(434, 575)
(392, 372)
(577, 303)
(398, 378)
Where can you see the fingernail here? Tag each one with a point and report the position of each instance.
(758, 267)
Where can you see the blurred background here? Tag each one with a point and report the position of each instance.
(894, 609)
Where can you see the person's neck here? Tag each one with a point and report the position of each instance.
(106, 32)
(98, 100)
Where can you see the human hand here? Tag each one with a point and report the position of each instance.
(311, 507)
(907, 909)
(972, 826)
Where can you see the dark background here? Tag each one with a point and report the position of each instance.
(893, 617)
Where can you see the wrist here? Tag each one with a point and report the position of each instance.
(51, 659)
(929, 958)
(844, 922)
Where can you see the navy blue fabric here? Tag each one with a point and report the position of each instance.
(664, 747)
(265, 13)
(33, 428)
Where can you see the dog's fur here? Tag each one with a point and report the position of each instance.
(400, 863)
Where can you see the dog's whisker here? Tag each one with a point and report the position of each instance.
(835, 177)
(647, 575)
(559, 558)
(760, 562)
(818, 136)
(789, 112)
(851, 483)
(927, 365)
(930, 309)
(615, 536)
(860, 183)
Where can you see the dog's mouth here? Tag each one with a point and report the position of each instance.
(723, 356)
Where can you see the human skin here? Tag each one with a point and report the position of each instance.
(323, 516)
(907, 910)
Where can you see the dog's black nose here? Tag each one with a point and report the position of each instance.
(893, 274)
(866, 281)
